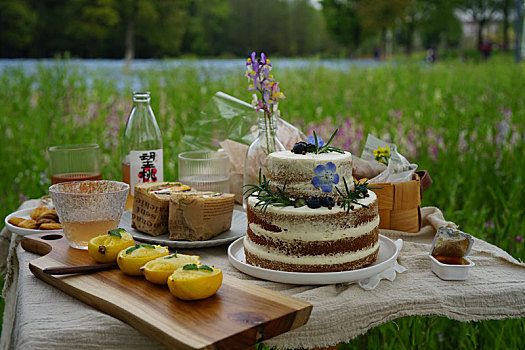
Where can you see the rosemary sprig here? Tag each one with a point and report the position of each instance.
(351, 197)
(266, 195)
(326, 147)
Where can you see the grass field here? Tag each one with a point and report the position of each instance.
(463, 122)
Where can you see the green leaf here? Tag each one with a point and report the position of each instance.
(190, 267)
(205, 268)
(171, 256)
(137, 246)
(116, 232)
(130, 249)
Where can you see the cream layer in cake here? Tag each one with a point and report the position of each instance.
(310, 240)
(298, 171)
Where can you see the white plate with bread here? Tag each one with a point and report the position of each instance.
(237, 229)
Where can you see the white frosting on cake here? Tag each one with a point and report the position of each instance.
(299, 169)
(306, 230)
(275, 255)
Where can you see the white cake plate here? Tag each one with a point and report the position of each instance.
(386, 258)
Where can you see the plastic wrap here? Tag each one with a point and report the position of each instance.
(399, 169)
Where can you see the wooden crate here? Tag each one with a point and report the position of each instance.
(400, 205)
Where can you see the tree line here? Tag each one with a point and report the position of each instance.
(215, 28)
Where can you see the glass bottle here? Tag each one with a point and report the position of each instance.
(142, 158)
(257, 154)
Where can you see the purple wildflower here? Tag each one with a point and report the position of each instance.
(258, 72)
(518, 239)
(489, 224)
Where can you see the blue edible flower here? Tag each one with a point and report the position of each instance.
(320, 142)
(326, 176)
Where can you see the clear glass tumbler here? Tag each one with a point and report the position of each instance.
(88, 208)
(205, 170)
(74, 163)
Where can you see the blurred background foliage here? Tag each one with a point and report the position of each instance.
(233, 28)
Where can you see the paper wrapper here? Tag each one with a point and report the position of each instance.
(198, 216)
(399, 168)
(150, 211)
(237, 152)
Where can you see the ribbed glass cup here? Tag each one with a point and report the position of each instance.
(88, 208)
(205, 170)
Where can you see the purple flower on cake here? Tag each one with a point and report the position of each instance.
(326, 177)
(311, 139)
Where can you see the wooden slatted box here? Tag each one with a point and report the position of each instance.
(400, 205)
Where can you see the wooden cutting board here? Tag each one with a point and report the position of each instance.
(238, 316)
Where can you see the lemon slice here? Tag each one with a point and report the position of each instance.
(105, 248)
(130, 260)
(158, 270)
(193, 282)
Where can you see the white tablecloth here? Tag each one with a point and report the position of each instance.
(38, 316)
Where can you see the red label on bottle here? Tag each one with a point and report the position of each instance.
(146, 166)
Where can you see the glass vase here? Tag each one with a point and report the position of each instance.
(257, 154)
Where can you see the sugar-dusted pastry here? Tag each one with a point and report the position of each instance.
(151, 206)
(198, 216)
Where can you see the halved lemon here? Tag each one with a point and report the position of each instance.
(194, 282)
(105, 248)
(130, 260)
(158, 270)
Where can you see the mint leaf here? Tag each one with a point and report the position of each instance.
(205, 268)
(130, 249)
(190, 267)
(116, 232)
(137, 246)
(171, 256)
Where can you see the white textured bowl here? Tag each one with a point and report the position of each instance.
(449, 272)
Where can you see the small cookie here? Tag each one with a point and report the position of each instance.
(37, 212)
(45, 221)
(28, 223)
(15, 221)
(51, 226)
(49, 214)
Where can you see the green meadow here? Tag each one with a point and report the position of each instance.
(464, 122)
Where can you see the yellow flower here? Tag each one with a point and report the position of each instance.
(376, 153)
(270, 76)
(387, 148)
(267, 60)
(252, 72)
(251, 86)
(249, 60)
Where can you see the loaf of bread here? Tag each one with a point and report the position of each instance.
(198, 216)
(151, 206)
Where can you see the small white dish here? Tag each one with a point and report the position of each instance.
(25, 214)
(449, 272)
(387, 256)
(237, 229)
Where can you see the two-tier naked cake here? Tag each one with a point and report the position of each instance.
(311, 226)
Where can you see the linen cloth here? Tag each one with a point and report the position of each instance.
(39, 316)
